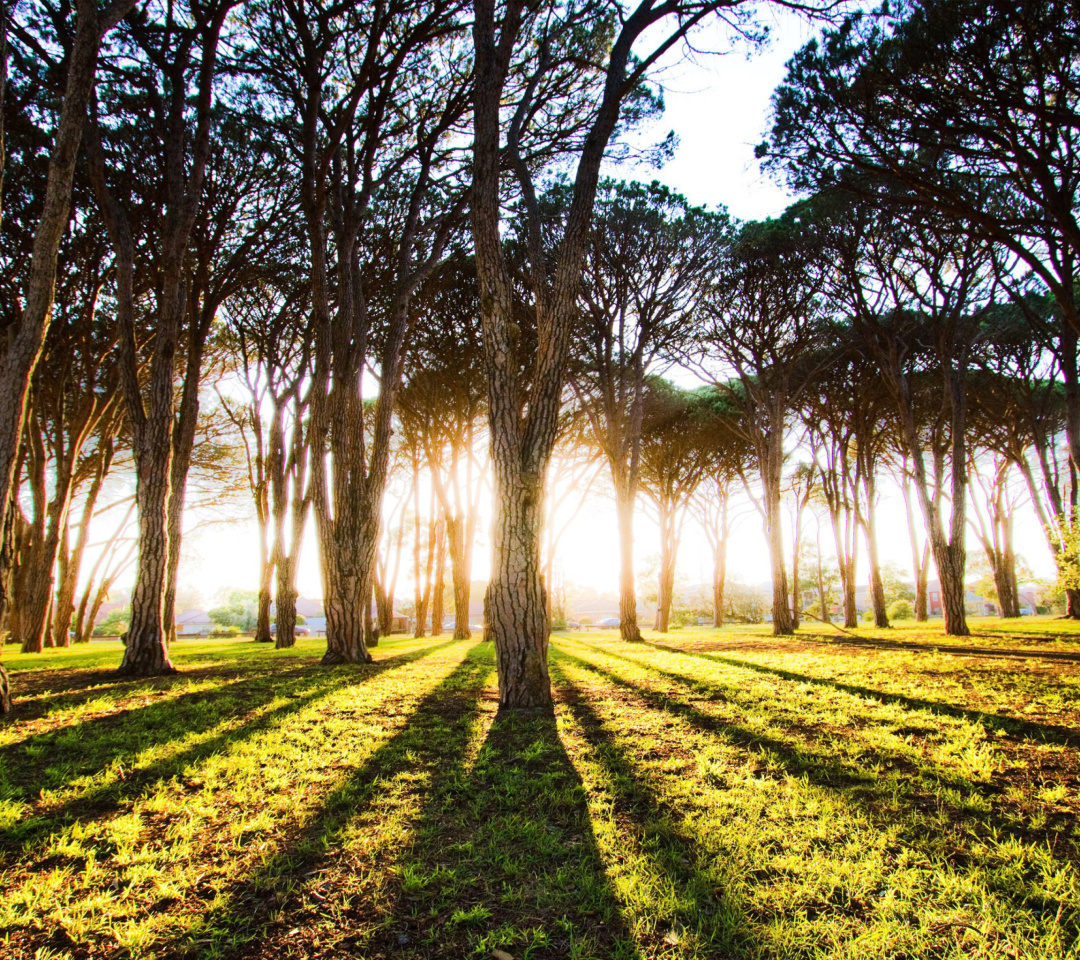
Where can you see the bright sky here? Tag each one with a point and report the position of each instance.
(718, 106)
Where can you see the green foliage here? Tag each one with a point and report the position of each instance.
(225, 631)
(240, 609)
(892, 579)
(901, 610)
(114, 623)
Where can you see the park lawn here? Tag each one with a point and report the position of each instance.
(706, 794)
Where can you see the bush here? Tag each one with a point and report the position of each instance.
(868, 614)
(230, 631)
(901, 610)
(115, 624)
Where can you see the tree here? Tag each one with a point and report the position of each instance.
(371, 99)
(160, 119)
(26, 341)
(765, 326)
(552, 82)
(441, 407)
(648, 260)
(681, 433)
(268, 327)
(917, 293)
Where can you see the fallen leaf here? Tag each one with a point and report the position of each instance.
(501, 955)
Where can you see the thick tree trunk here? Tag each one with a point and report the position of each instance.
(1072, 604)
(624, 508)
(344, 606)
(286, 604)
(951, 561)
(347, 545)
(147, 652)
(516, 605)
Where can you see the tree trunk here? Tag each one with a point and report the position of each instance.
(719, 581)
(771, 467)
(877, 588)
(266, 567)
(438, 584)
(26, 342)
(459, 574)
(922, 611)
(146, 653)
(624, 507)
(286, 603)
(516, 605)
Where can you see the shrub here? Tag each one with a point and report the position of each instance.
(229, 631)
(901, 610)
(113, 625)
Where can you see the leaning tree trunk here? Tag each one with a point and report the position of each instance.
(624, 508)
(26, 342)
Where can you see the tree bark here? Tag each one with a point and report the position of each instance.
(438, 584)
(516, 605)
(624, 508)
(877, 588)
(25, 347)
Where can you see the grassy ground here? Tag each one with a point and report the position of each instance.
(707, 794)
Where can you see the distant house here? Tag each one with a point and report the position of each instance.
(194, 623)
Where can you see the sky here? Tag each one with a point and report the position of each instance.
(718, 107)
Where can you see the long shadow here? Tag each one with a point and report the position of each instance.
(510, 860)
(878, 798)
(1049, 733)
(280, 896)
(152, 718)
(704, 912)
(937, 844)
(882, 643)
(164, 720)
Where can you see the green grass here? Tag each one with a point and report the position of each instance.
(707, 794)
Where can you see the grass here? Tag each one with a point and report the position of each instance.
(707, 794)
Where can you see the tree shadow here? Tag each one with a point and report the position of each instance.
(1046, 732)
(695, 911)
(887, 791)
(226, 716)
(883, 643)
(974, 850)
(496, 851)
(507, 859)
(313, 871)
